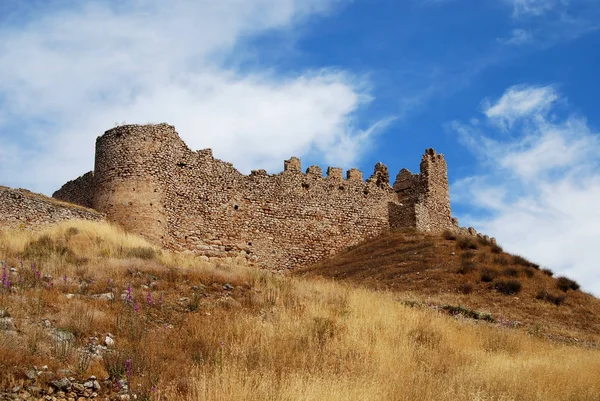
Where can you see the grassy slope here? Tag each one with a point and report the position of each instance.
(268, 338)
(433, 269)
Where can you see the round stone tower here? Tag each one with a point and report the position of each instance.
(129, 178)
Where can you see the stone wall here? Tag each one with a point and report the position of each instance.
(20, 208)
(147, 180)
(79, 191)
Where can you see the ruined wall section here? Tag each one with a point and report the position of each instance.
(151, 183)
(79, 191)
(433, 214)
(285, 220)
(424, 197)
(20, 208)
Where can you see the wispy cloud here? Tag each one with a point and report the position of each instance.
(69, 73)
(533, 7)
(537, 188)
(520, 102)
(517, 37)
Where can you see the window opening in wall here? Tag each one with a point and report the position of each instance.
(249, 243)
(366, 191)
(305, 185)
(341, 188)
(235, 207)
(181, 164)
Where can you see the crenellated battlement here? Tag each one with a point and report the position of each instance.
(147, 179)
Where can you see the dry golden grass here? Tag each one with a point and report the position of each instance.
(271, 337)
(468, 272)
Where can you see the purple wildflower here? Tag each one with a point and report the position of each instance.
(65, 279)
(5, 277)
(129, 296)
(128, 368)
(149, 300)
(136, 307)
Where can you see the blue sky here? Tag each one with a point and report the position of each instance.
(508, 90)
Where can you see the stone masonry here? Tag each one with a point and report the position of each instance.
(146, 179)
(20, 208)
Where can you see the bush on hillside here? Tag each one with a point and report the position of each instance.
(467, 243)
(141, 252)
(466, 267)
(521, 261)
(544, 295)
(548, 272)
(497, 248)
(465, 288)
(487, 275)
(564, 284)
(510, 272)
(528, 272)
(501, 260)
(510, 287)
(449, 235)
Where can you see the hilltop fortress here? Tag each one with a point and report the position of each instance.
(147, 180)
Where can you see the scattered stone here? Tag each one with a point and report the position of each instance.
(108, 296)
(6, 324)
(228, 287)
(62, 384)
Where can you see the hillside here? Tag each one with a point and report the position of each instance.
(470, 272)
(85, 299)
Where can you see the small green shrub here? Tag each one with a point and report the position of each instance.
(467, 255)
(44, 247)
(564, 284)
(509, 287)
(461, 310)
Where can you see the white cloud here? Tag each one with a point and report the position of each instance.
(532, 7)
(537, 190)
(518, 37)
(69, 74)
(520, 102)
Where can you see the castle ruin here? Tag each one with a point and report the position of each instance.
(147, 180)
